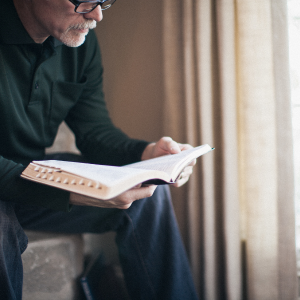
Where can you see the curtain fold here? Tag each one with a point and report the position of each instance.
(285, 186)
(226, 83)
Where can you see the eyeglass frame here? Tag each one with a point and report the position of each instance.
(77, 3)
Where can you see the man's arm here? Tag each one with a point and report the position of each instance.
(17, 190)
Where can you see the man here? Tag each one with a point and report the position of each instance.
(50, 71)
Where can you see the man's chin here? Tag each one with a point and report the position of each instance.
(73, 40)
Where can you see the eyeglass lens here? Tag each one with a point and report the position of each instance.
(86, 7)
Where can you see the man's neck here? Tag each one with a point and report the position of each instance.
(24, 11)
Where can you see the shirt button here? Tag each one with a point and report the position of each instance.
(36, 85)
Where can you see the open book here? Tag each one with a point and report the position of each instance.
(105, 182)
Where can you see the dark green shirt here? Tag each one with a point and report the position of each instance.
(40, 86)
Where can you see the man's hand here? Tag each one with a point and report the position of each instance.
(166, 146)
(123, 201)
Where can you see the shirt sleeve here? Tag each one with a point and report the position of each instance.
(96, 136)
(22, 191)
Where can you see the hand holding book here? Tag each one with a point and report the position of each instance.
(166, 146)
(122, 201)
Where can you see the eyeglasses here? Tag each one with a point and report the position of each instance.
(84, 7)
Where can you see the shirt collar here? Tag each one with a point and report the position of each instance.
(12, 30)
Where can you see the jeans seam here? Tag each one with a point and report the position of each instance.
(23, 248)
(23, 243)
(140, 255)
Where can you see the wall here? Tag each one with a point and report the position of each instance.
(130, 39)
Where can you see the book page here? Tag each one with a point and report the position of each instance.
(172, 164)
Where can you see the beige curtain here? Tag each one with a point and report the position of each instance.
(226, 83)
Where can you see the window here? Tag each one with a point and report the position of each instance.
(294, 41)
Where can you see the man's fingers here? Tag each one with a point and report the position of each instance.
(143, 192)
(122, 201)
(125, 206)
(163, 146)
(168, 145)
(137, 186)
(184, 176)
(193, 163)
(184, 147)
(188, 170)
(134, 194)
(181, 181)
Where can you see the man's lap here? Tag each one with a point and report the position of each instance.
(85, 219)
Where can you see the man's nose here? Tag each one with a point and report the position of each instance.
(95, 14)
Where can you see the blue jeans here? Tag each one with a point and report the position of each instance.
(150, 248)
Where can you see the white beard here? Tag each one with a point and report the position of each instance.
(73, 38)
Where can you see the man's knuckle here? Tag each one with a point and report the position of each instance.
(150, 192)
(125, 206)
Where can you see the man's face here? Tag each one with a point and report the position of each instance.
(58, 19)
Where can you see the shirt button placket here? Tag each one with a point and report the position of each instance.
(35, 88)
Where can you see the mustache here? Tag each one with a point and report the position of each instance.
(86, 25)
